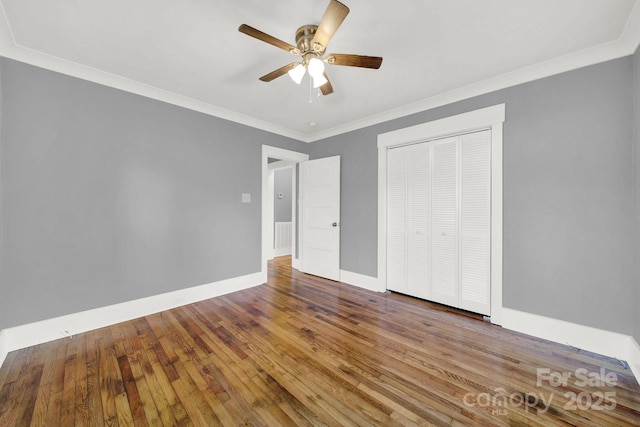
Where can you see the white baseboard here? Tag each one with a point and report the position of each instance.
(295, 263)
(362, 281)
(612, 344)
(71, 324)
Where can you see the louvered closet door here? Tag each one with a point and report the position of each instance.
(408, 220)
(419, 221)
(397, 219)
(475, 222)
(439, 221)
(445, 224)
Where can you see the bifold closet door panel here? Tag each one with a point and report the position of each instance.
(475, 222)
(445, 222)
(419, 221)
(397, 220)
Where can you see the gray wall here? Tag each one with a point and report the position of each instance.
(282, 184)
(636, 212)
(567, 187)
(108, 196)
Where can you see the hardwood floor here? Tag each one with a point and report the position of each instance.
(302, 350)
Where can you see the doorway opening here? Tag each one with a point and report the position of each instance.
(273, 160)
(283, 192)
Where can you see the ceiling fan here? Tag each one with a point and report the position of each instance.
(311, 44)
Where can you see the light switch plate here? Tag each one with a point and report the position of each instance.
(246, 198)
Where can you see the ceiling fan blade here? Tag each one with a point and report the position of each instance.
(354, 60)
(326, 88)
(250, 31)
(279, 72)
(333, 17)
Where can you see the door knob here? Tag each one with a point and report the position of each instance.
(335, 224)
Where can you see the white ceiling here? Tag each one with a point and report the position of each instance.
(435, 51)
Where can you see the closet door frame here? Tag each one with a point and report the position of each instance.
(486, 118)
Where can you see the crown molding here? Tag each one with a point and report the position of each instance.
(73, 69)
(10, 49)
(625, 45)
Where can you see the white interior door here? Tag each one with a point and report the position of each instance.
(320, 217)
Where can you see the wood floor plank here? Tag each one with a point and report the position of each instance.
(302, 350)
(94, 398)
(132, 394)
(7, 370)
(146, 397)
(159, 384)
(81, 406)
(108, 380)
(40, 406)
(136, 385)
(67, 417)
(56, 380)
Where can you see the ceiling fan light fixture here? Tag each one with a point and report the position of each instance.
(316, 68)
(319, 81)
(311, 43)
(297, 73)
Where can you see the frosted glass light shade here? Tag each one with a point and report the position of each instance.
(316, 67)
(319, 81)
(297, 73)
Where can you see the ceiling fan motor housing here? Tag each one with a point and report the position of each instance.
(304, 37)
